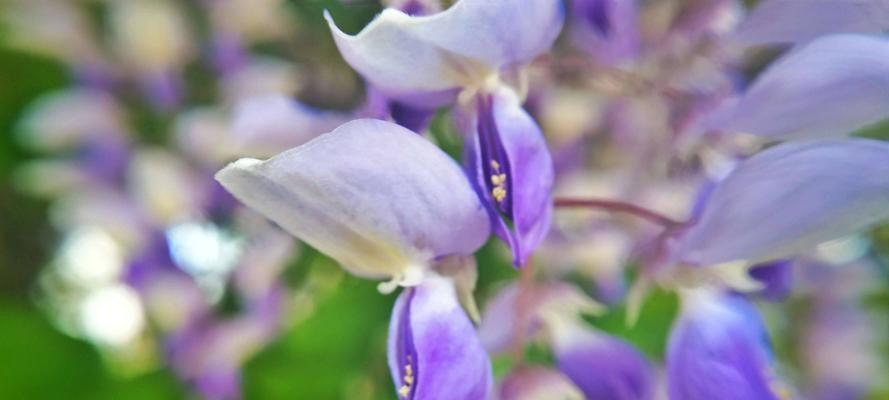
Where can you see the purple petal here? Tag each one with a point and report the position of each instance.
(776, 278)
(434, 352)
(790, 198)
(607, 29)
(415, 119)
(425, 60)
(718, 349)
(547, 301)
(509, 148)
(374, 196)
(536, 383)
(829, 87)
(267, 125)
(794, 21)
(602, 367)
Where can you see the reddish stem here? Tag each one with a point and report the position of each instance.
(619, 207)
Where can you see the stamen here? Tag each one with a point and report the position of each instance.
(405, 389)
(499, 193)
(498, 181)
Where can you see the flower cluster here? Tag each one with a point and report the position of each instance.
(615, 148)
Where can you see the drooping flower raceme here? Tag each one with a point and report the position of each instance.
(467, 54)
(386, 204)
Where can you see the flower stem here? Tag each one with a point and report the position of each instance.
(618, 207)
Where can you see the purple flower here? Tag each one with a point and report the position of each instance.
(503, 322)
(267, 125)
(607, 29)
(428, 61)
(386, 203)
(467, 53)
(511, 168)
(434, 352)
(376, 197)
(776, 279)
(603, 367)
(718, 349)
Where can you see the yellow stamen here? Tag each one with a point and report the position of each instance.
(405, 389)
(499, 193)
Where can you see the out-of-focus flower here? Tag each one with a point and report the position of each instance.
(522, 313)
(61, 30)
(153, 39)
(607, 29)
(537, 383)
(719, 349)
(265, 126)
(415, 7)
(603, 367)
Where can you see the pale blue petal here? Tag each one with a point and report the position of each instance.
(794, 21)
(789, 198)
(827, 88)
(432, 341)
(267, 125)
(718, 349)
(374, 196)
(425, 60)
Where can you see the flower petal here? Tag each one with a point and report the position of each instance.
(374, 196)
(267, 125)
(790, 198)
(602, 367)
(537, 383)
(718, 349)
(556, 301)
(607, 29)
(829, 87)
(776, 278)
(434, 352)
(794, 21)
(425, 60)
(512, 170)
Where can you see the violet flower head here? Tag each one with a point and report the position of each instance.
(718, 349)
(466, 54)
(390, 215)
(512, 170)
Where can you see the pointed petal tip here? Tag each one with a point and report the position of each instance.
(235, 170)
